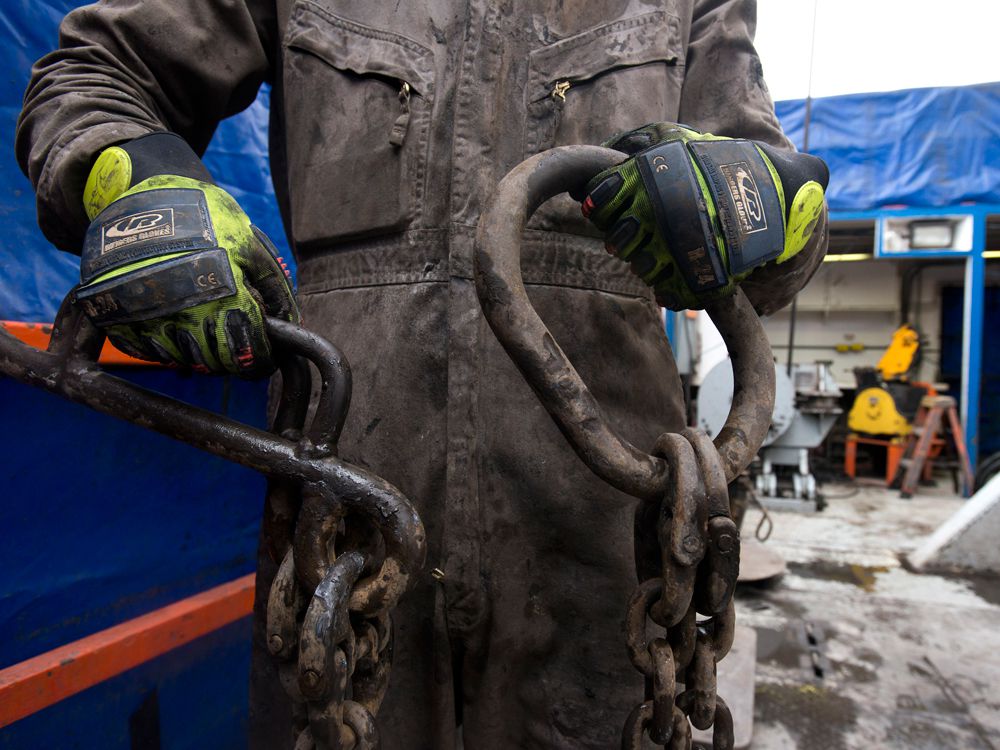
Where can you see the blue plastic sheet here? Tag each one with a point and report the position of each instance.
(34, 276)
(918, 147)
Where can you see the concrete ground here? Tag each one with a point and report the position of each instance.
(855, 651)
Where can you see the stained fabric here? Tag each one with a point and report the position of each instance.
(381, 186)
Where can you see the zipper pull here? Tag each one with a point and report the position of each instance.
(559, 90)
(398, 133)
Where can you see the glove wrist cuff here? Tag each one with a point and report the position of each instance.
(124, 166)
(164, 153)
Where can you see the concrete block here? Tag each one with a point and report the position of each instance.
(968, 540)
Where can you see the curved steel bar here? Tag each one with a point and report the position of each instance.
(753, 382)
(293, 403)
(317, 525)
(70, 374)
(544, 364)
(334, 373)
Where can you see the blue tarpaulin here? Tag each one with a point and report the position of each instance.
(919, 147)
(34, 276)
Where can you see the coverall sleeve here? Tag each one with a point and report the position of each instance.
(129, 67)
(724, 93)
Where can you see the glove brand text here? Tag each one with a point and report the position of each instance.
(137, 227)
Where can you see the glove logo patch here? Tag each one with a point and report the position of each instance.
(136, 228)
(746, 200)
(746, 197)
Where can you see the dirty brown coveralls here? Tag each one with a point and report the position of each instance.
(521, 641)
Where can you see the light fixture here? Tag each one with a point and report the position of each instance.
(931, 233)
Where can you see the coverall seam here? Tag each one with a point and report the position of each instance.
(368, 31)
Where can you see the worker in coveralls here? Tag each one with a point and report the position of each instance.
(391, 125)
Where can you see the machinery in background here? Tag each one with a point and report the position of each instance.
(887, 403)
(806, 406)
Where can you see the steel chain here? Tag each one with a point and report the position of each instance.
(347, 542)
(328, 623)
(687, 561)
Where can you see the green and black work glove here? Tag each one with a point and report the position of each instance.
(694, 214)
(172, 269)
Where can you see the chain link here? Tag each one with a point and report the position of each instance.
(333, 648)
(345, 562)
(687, 561)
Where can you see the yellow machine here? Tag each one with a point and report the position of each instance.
(874, 413)
(900, 356)
(887, 403)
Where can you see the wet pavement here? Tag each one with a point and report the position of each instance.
(856, 651)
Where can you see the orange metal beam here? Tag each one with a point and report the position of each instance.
(37, 683)
(38, 334)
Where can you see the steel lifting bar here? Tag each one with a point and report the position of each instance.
(299, 459)
(68, 368)
(686, 542)
(550, 373)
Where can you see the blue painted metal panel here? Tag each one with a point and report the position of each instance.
(104, 521)
(972, 346)
(201, 691)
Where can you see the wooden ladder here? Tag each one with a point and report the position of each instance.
(930, 422)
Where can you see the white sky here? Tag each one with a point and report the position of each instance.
(877, 45)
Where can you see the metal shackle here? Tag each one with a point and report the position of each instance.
(545, 366)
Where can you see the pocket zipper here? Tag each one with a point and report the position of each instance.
(402, 124)
(559, 90)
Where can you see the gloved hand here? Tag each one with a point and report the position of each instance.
(694, 214)
(172, 268)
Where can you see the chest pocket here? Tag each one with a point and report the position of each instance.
(589, 86)
(357, 103)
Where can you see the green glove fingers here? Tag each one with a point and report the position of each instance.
(694, 214)
(172, 268)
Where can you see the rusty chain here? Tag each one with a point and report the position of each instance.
(342, 570)
(348, 542)
(686, 543)
(687, 561)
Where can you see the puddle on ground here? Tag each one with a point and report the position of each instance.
(862, 576)
(986, 587)
(778, 647)
(817, 718)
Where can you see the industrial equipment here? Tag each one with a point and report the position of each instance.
(887, 402)
(806, 406)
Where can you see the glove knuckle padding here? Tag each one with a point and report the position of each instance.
(152, 253)
(173, 254)
(695, 213)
